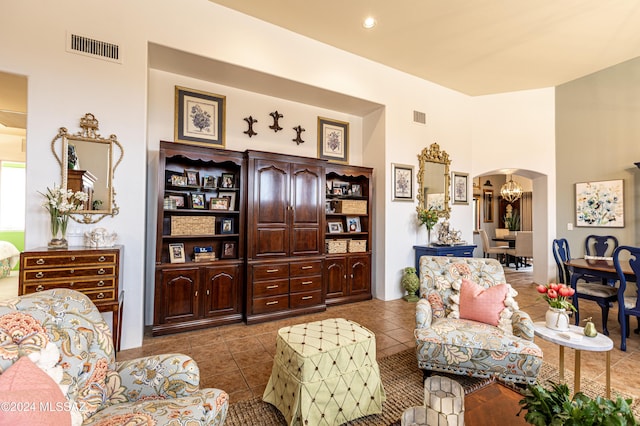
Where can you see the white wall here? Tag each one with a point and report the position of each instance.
(63, 87)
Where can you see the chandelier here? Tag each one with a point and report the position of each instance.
(511, 191)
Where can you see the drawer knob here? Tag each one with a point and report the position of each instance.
(307, 297)
(307, 267)
(40, 288)
(73, 258)
(270, 287)
(71, 284)
(100, 296)
(271, 271)
(39, 275)
(100, 283)
(72, 271)
(275, 302)
(40, 261)
(101, 271)
(101, 259)
(307, 282)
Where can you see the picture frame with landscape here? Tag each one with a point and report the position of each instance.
(220, 203)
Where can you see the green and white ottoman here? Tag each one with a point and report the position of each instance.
(325, 373)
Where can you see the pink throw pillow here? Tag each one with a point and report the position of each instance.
(31, 397)
(482, 304)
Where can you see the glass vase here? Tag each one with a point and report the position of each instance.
(557, 319)
(58, 233)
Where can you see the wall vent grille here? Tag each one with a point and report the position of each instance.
(94, 48)
(419, 117)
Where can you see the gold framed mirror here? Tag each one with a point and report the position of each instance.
(434, 180)
(87, 163)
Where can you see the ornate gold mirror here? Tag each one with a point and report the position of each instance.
(434, 180)
(87, 163)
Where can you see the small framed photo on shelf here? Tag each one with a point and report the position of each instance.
(197, 200)
(193, 177)
(178, 180)
(209, 181)
(227, 180)
(176, 253)
(229, 250)
(226, 225)
(328, 207)
(179, 200)
(402, 185)
(340, 188)
(231, 196)
(218, 204)
(335, 227)
(199, 117)
(353, 224)
(356, 189)
(333, 140)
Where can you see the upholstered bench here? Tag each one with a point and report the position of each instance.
(325, 373)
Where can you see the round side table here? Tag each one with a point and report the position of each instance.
(574, 338)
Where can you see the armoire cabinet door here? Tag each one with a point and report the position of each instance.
(270, 209)
(307, 186)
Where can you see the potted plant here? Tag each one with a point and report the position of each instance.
(557, 297)
(554, 407)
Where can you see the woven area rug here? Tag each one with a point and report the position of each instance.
(403, 386)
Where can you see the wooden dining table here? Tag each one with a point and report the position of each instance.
(603, 268)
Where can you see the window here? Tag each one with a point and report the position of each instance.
(12, 195)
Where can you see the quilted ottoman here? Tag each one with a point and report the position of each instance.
(325, 373)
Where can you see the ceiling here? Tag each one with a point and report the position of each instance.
(476, 47)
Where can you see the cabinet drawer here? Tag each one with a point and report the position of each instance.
(31, 261)
(270, 288)
(270, 304)
(69, 273)
(306, 283)
(101, 296)
(270, 272)
(79, 285)
(300, 300)
(306, 268)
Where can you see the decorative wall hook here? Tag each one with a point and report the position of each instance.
(298, 140)
(250, 120)
(276, 116)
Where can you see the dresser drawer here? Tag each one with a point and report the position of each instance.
(79, 285)
(69, 273)
(67, 260)
(101, 296)
(270, 304)
(306, 283)
(270, 288)
(312, 267)
(271, 271)
(300, 300)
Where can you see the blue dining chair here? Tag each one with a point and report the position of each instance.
(600, 246)
(603, 295)
(628, 304)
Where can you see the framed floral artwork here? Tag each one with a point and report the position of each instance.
(199, 117)
(460, 188)
(402, 182)
(600, 204)
(333, 140)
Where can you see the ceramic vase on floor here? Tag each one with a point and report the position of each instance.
(557, 319)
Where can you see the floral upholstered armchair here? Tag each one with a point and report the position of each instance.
(57, 338)
(468, 323)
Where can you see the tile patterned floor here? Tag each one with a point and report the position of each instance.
(238, 358)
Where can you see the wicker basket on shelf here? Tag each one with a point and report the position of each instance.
(336, 246)
(351, 206)
(357, 246)
(193, 225)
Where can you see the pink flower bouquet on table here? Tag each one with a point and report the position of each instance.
(557, 295)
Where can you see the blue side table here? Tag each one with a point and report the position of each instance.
(449, 251)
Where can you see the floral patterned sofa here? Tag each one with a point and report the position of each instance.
(447, 341)
(62, 332)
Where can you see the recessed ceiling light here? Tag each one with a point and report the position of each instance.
(369, 22)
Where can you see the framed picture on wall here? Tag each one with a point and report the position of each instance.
(333, 140)
(199, 117)
(487, 201)
(600, 204)
(460, 188)
(402, 182)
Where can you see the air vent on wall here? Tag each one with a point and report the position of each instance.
(419, 117)
(94, 48)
